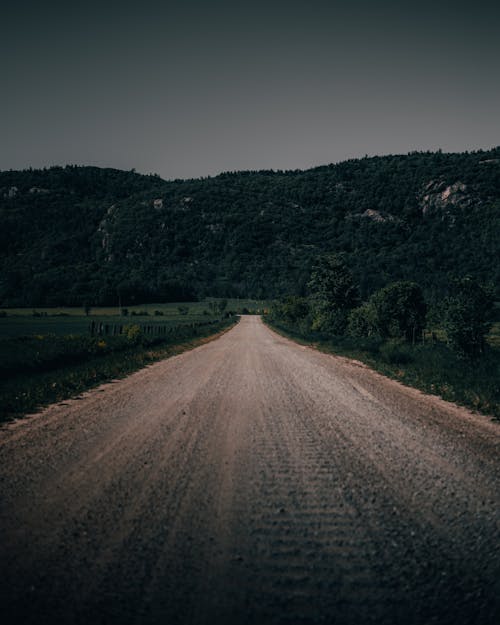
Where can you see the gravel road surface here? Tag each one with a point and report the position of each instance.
(251, 481)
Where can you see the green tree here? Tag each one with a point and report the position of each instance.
(400, 310)
(467, 317)
(333, 293)
(362, 321)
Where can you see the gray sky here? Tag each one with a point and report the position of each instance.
(191, 88)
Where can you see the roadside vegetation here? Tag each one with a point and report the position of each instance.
(40, 368)
(450, 348)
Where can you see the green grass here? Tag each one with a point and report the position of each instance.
(432, 368)
(39, 370)
(66, 321)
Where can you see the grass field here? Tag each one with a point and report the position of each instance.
(71, 321)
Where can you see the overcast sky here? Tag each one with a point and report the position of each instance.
(190, 88)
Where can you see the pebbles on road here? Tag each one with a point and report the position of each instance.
(251, 481)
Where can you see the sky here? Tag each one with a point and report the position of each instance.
(190, 89)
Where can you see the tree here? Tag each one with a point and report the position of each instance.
(333, 293)
(400, 310)
(362, 321)
(467, 317)
(332, 282)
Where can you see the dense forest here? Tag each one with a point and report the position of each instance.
(75, 235)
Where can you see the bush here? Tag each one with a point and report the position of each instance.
(332, 321)
(133, 332)
(291, 309)
(362, 321)
(395, 352)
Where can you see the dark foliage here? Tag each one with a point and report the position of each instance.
(78, 235)
(400, 310)
(467, 317)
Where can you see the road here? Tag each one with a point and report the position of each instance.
(251, 481)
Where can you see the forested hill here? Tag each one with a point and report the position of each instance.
(84, 234)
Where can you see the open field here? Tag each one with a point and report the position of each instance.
(65, 321)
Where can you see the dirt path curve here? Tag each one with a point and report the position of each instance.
(250, 481)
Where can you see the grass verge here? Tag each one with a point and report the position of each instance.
(61, 372)
(434, 369)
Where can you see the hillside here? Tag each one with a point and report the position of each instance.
(83, 234)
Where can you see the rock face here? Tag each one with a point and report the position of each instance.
(438, 196)
(104, 234)
(377, 216)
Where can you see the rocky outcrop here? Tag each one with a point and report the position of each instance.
(377, 216)
(443, 198)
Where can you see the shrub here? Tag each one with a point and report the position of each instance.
(333, 321)
(133, 332)
(362, 321)
(291, 309)
(395, 352)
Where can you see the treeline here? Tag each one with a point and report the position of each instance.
(78, 235)
(397, 311)
(439, 347)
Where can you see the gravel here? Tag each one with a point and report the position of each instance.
(251, 480)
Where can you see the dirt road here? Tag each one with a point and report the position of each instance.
(251, 481)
